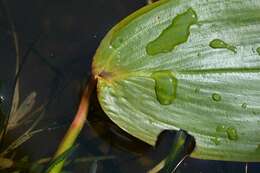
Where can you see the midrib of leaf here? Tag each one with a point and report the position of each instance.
(121, 73)
(221, 70)
(128, 74)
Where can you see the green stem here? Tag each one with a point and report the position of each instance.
(182, 147)
(75, 126)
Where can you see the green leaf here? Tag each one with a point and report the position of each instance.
(208, 49)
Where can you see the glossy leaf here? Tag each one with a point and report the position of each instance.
(216, 66)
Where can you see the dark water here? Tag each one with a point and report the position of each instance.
(57, 40)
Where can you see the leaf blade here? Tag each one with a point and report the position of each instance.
(127, 95)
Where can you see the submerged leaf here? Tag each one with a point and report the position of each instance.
(94, 166)
(213, 79)
(21, 113)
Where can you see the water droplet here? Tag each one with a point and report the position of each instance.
(175, 34)
(216, 97)
(220, 128)
(165, 86)
(216, 140)
(197, 90)
(258, 148)
(117, 42)
(244, 105)
(232, 134)
(258, 50)
(220, 44)
(120, 40)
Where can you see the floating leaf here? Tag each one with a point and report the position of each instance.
(211, 62)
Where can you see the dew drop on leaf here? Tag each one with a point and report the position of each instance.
(220, 128)
(197, 90)
(258, 148)
(215, 140)
(177, 33)
(117, 42)
(216, 97)
(258, 50)
(244, 105)
(165, 86)
(220, 44)
(232, 133)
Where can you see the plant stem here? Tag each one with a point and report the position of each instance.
(75, 126)
(158, 167)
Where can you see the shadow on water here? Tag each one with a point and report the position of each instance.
(65, 35)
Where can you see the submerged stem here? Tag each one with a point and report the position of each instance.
(181, 148)
(75, 126)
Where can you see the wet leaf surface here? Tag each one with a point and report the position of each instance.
(214, 66)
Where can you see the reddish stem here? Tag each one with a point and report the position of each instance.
(76, 126)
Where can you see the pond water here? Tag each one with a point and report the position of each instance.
(56, 41)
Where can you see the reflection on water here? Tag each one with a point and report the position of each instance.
(57, 40)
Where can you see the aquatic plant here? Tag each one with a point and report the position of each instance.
(181, 64)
